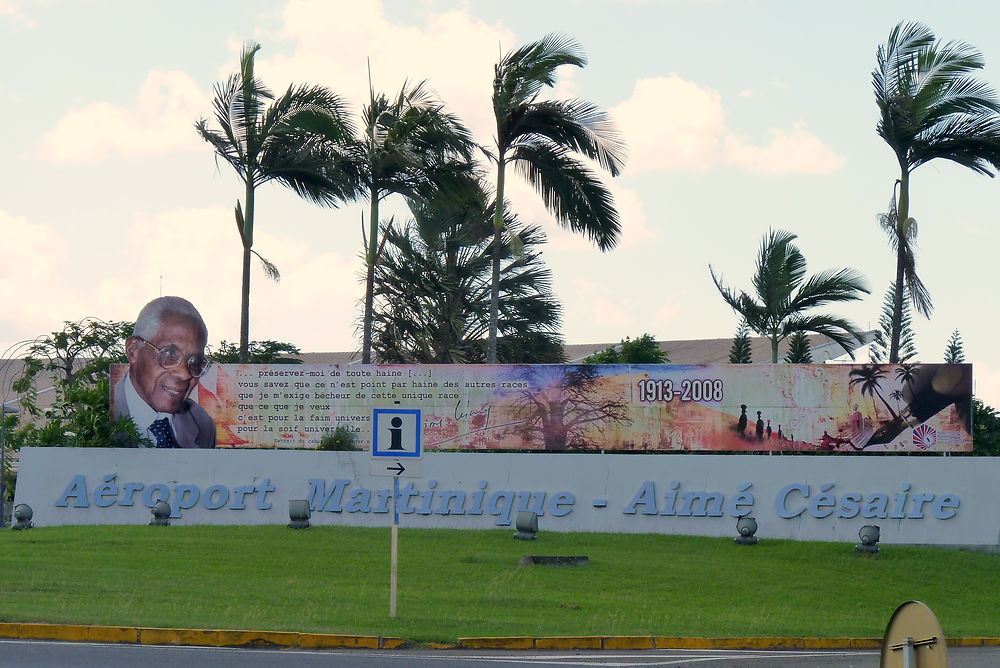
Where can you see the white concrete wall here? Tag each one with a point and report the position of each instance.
(933, 500)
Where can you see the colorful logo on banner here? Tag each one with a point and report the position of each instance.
(924, 437)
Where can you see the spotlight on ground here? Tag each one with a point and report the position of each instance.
(299, 514)
(869, 536)
(526, 525)
(22, 517)
(161, 514)
(746, 527)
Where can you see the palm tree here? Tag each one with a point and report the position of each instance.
(276, 141)
(870, 378)
(908, 373)
(930, 107)
(783, 295)
(896, 395)
(410, 147)
(540, 138)
(902, 237)
(432, 290)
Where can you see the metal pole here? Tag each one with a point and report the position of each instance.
(909, 653)
(394, 559)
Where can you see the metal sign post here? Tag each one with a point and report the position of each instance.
(394, 549)
(396, 437)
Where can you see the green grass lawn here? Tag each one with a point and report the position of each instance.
(468, 583)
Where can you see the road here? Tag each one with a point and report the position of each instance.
(52, 654)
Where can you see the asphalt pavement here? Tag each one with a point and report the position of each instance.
(56, 654)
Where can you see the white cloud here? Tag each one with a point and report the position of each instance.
(194, 253)
(987, 382)
(789, 152)
(670, 123)
(334, 44)
(159, 122)
(674, 124)
(31, 261)
(665, 315)
(313, 306)
(13, 10)
(605, 313)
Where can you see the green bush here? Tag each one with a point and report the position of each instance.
(341, 438)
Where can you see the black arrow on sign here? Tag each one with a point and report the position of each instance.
(398, 468)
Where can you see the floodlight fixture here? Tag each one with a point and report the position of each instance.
(299, 513)
(746, 527)
(22, 517)
(161, 514)
(869, 536)
(526, 524)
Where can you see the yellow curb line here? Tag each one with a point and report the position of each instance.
(235, 638)
(198, 637)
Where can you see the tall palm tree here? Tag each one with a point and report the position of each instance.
(783, 295)
(432, 290)
(279, 142)
(903, 238)
(541, 139)
(931, 106)
(410, 147)
(870, 378)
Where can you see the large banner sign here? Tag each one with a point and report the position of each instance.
(772, 407)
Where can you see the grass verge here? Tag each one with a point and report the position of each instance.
(457, 583)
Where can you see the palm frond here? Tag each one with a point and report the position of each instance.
(831, 285)
(573, 195)
(780, 269)
(270, 269)
(842, 331)
(577, 124)
(523, 72)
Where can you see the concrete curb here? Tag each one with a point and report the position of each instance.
(229, 638)
(198, 637)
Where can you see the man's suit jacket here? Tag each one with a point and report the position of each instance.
(193, 426)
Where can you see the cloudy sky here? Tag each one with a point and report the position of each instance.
(740, 116)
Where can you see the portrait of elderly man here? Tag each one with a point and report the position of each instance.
(166, 355)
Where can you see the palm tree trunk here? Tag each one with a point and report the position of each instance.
(902, 214)
(247, 235)
(891, 412)
(370, 260)
(774, 349)
(491, 344)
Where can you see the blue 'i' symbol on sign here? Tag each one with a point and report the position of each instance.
(396, 434)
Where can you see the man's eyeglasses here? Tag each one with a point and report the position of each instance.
(169, 357)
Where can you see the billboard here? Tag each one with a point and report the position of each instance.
(753, 407)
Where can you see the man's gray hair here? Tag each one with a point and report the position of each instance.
(152, 314)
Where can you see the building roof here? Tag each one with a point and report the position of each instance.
(716, 351)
